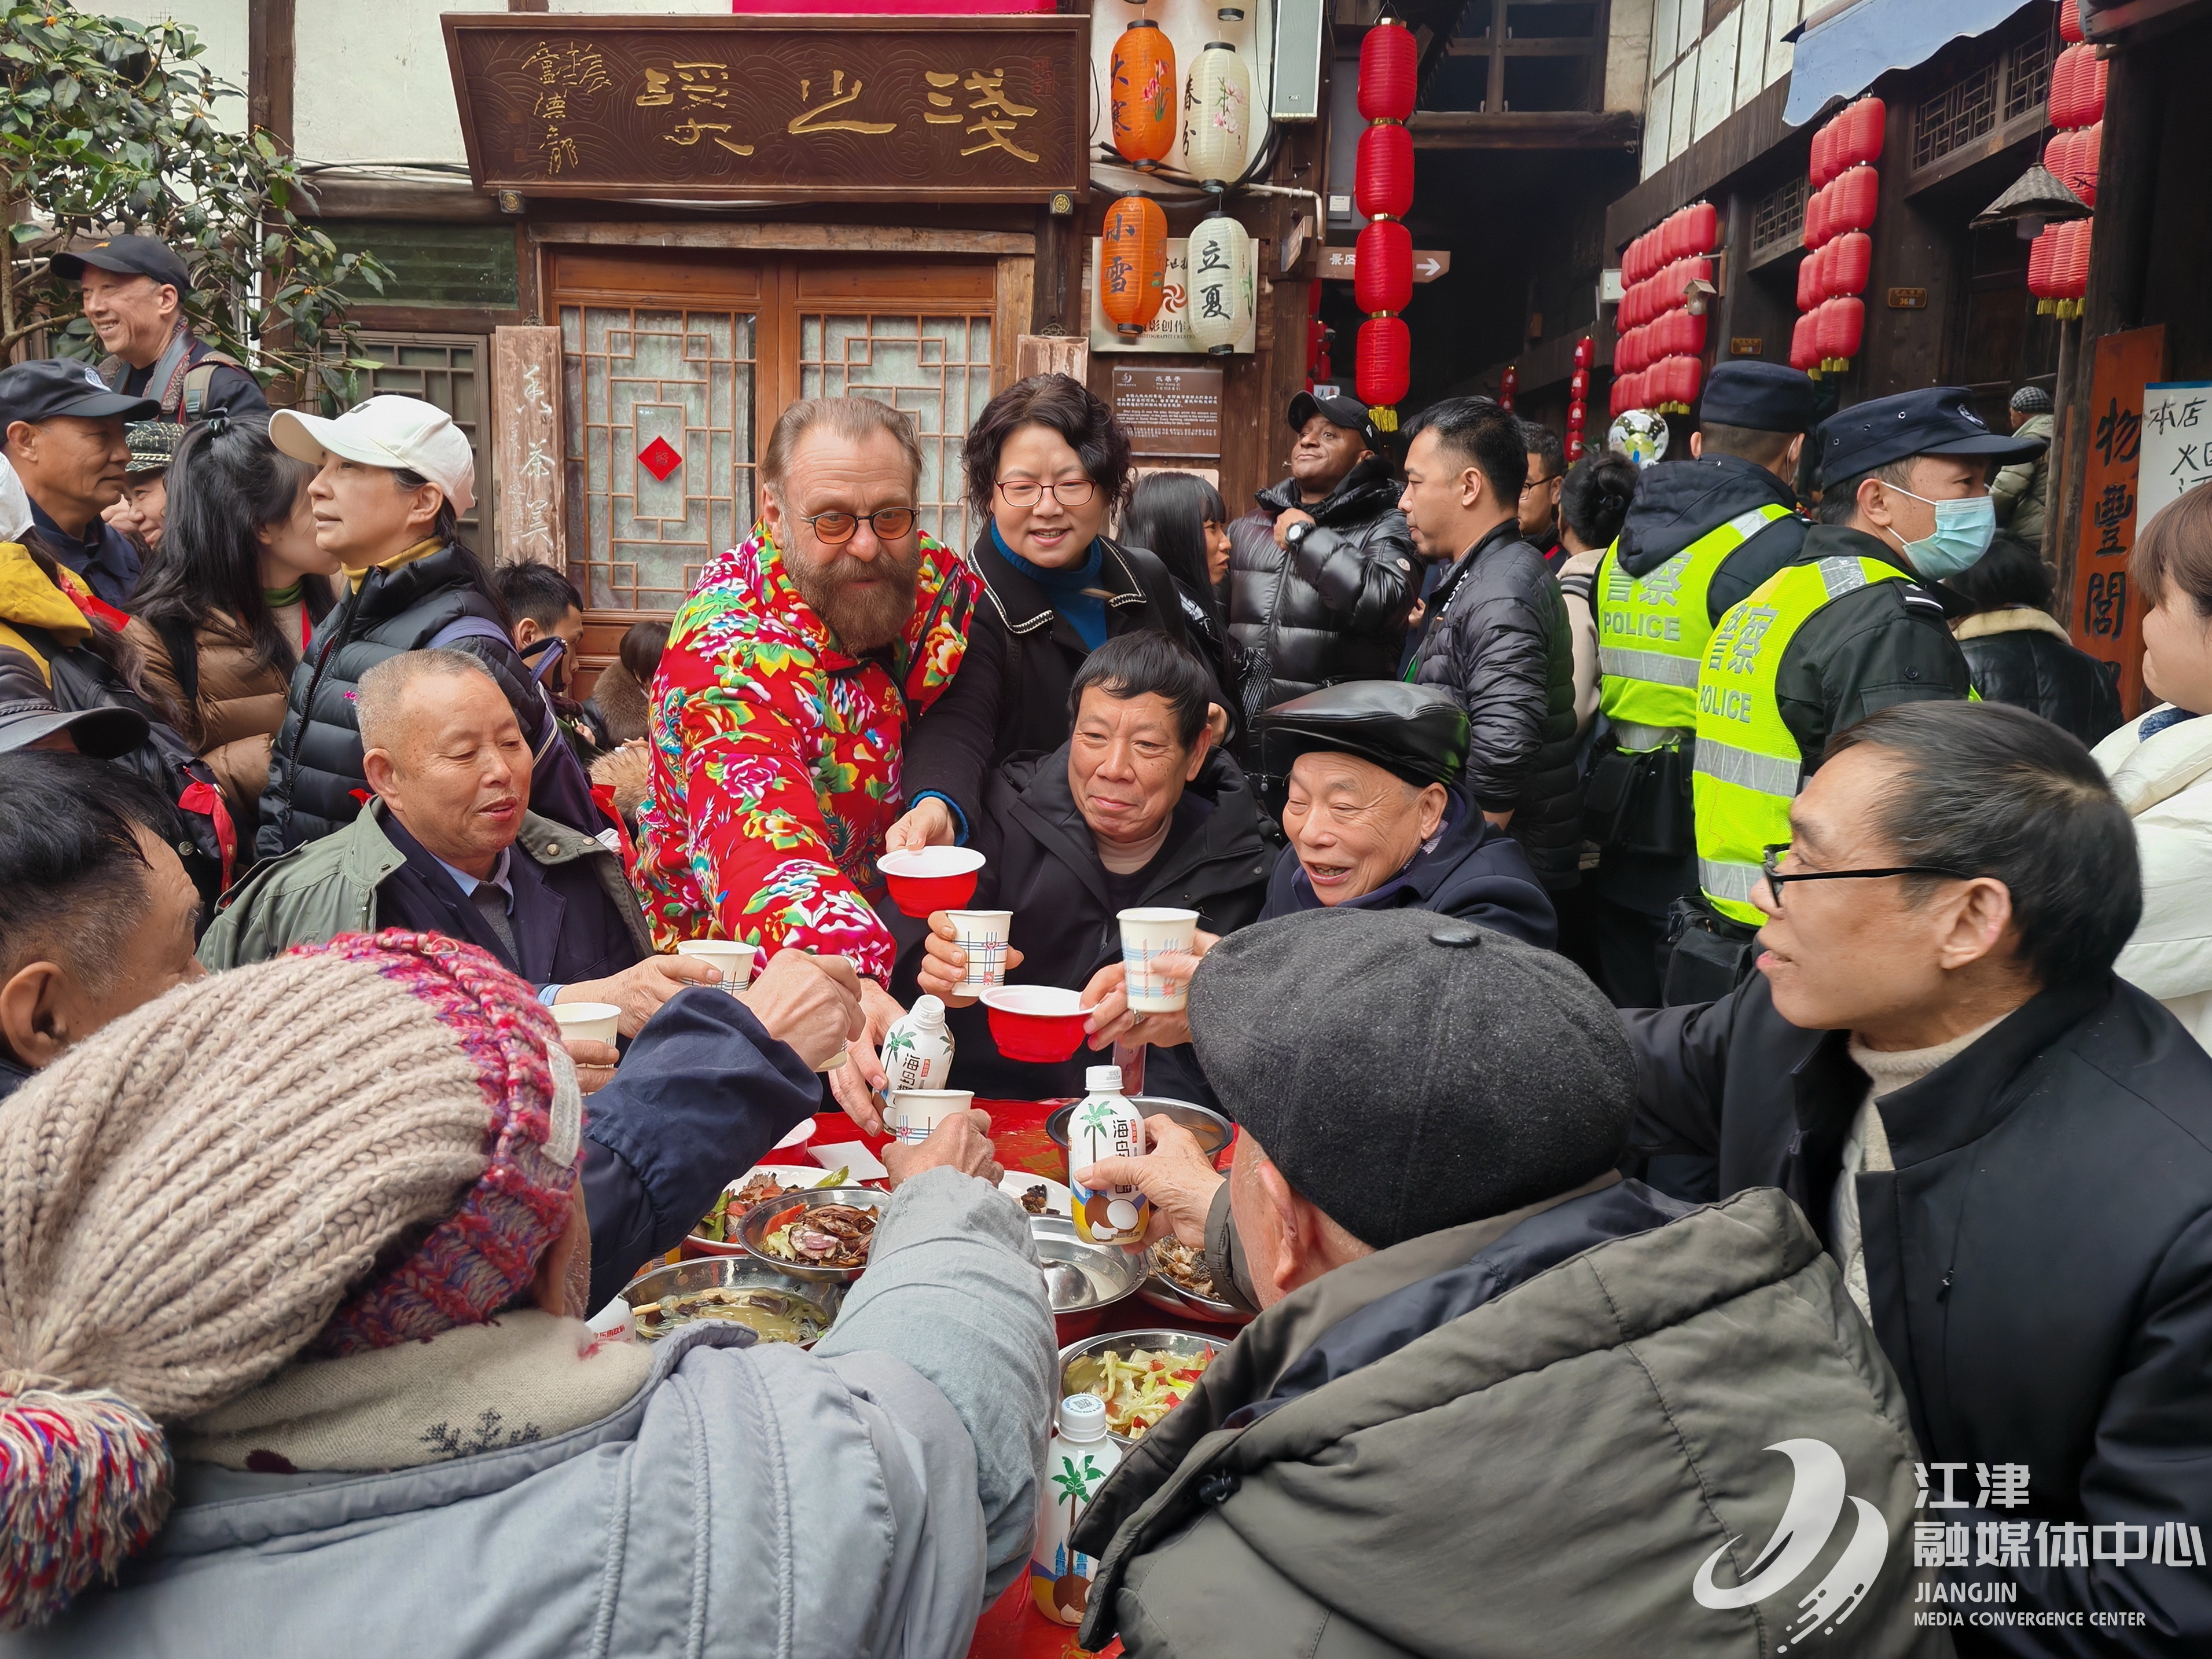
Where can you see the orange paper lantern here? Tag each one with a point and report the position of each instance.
(1143, 94)
(1133, 264)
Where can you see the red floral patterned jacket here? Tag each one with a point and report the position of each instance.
(776, 758)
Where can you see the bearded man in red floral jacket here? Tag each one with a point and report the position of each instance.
(779, 713)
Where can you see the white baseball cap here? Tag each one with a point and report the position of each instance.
(385, 431)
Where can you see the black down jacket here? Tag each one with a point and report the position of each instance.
(1337, 610)
(1497, 636)
(2022, 656)
(316, 784)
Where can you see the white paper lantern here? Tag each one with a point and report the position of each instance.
(1220, 254)
(1217, 115)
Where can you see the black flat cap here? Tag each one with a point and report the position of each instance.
(1348, 412)
(128, 256)
(1408, 1072)
(39, 391)
(101, 733)
(1420, 732)
(1763, 397)
(1937, 420)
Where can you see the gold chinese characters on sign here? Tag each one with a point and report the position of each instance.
(742, 107)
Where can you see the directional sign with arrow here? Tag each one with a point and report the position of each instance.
(1342, 264)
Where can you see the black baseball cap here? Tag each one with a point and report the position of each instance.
(100, 733)
(128, 256)
(1348, 412)
(40, 390)
(1416, 732)
(1937, 420)
(1762, 397)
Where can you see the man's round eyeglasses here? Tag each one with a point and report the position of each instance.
(1771, 868)
(1068, 492)
(835, 529)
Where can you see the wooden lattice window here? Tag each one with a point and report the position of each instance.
(1963, 111)
(2027, 75)
(1778, 220)
(447, 371)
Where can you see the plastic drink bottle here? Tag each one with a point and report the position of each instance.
(917, 1050)
(1077, 1462)
(1105, 1125)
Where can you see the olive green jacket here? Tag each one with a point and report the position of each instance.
(1585, 1464)
(324, 888)
(2019, 490)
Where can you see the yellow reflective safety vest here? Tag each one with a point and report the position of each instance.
(1748, 765)
(1652, 631)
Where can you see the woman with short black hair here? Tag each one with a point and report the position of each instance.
(1046, 466)
(1181, 520)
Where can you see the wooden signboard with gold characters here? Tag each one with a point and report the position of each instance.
(973, 109)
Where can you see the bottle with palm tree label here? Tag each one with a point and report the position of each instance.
(1105, 1125)
(918, 1049)
(1077, 1462)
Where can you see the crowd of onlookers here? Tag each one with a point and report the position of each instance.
(1615, 1088)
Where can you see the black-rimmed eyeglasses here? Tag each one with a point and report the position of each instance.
(1026, 492)
(835, 529)
(1771, 868)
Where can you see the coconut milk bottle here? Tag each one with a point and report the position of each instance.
(1077, 1462)
(918, 1049)
(1105, 1125)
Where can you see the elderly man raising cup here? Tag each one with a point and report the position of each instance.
(1376, 821)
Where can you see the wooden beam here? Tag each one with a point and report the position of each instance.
(342, 196)
(1612, 128)
(270, 60)
(789, 238)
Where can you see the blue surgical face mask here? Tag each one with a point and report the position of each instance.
(1963, 530)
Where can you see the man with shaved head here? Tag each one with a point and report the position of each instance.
(449, 846)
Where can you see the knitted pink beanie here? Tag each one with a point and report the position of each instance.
(356, 1145)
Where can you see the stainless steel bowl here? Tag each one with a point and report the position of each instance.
(1213, 1131)
(1127, 1342)
(753, 1231)
(1163, 1292)
(729, 1272)
(1082, 1277)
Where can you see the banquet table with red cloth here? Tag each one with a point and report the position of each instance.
(1011, 1627)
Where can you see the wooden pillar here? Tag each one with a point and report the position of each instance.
(270, 62)
(527, 469)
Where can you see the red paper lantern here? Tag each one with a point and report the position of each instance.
(1507, 384)
(1809, 289)
(1133, 266)
(1816, 216)
(2091, 86)
(2041, 282)
(1862, 123)
(1384, 176)
(1577, 412)
(1389, 71)
(1856, 193)
(2062, 99)
(1385, 358)
(2088, 154)
(1849, 257)
(1382, 278)
(1823, 167)
(1585, 352)
(1578, 383)
(1144, 93)
(2069, 20)
(1804, 345)
(1705, 226)
(1837, 325)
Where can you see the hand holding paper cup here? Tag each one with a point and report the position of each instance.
(734, 960)
(593, 1020)
(982, 934)
(1146, 936)
(915, 1113)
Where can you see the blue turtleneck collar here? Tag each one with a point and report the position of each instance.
(1073, 591)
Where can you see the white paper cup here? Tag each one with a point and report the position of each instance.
(735, 960)
(982, 934)
(595, 1021)
(1146, 934)
(915, 1112)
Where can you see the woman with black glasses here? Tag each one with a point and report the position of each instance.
(1046, 464)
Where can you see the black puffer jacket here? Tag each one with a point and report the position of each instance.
(1337, 610)
(2022, 656)
(1497, 636)
(316, 784)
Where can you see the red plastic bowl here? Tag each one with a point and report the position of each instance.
(1040, 1023)
(928, 879)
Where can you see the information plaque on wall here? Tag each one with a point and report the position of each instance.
(891, 109)
(1170, 412)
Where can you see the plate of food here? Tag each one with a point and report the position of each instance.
(822, 1235)
(1182, 1283)
(1142, 1375)
(1038, 1195)
(716, 1235)
(775, 1306)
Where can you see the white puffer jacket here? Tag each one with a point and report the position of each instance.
(2165, 783)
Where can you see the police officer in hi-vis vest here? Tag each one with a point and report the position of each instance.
(1853, 624)
(133, 288)
(1701, 534)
